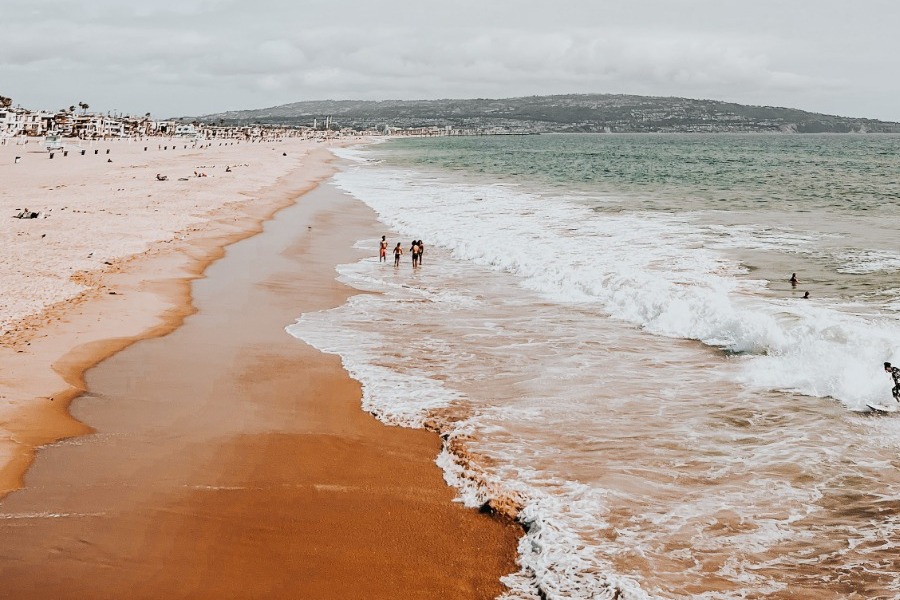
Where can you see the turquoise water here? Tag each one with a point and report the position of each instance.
(849, 174)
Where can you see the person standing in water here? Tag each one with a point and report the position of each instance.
(414, 250)
(382, 250)
(794, 281)
(397, 252)
(421, 252)
(895, 373)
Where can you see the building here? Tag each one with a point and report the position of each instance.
(10, 123)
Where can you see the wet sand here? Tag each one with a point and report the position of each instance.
(230, 460)
(110, 263)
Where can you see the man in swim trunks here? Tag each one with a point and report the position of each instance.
(895, 373)
(414, 250)
(397, 252)
(382, 252)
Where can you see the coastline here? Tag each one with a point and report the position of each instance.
(434, 548)
(122, 299)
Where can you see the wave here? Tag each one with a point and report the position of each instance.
(659, 271)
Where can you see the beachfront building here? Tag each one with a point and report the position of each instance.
(90, 127)
(114, 128)
(164, 127)
(35, 124)
(10, 123)
(62, 123)
(186, 129)
(216, 132)
(136, 126)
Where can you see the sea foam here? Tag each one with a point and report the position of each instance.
(656, 270)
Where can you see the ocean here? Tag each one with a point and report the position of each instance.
(604, 332)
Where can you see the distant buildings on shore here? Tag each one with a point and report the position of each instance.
(19, 122)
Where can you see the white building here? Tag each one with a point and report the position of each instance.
(10, 123)
(186, 130)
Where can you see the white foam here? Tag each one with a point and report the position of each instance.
(399, 397)
(657, 270)
(861, 262)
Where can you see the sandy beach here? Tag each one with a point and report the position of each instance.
(218, 457)
(99, 214)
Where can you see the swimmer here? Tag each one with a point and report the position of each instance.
(397, 252)
(794, 281)
(382, 251)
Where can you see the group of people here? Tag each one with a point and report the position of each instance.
(416, 249)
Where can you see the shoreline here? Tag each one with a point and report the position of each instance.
(439, 547)
(57, 344)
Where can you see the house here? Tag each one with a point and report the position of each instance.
(164, 127)
(186, 130)
(62, 123)
(35, 124)
(10, 123)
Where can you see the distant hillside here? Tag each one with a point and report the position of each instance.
(570, 113)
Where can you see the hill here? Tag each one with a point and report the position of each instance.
(614, 113)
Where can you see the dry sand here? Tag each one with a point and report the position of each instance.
(225, 459)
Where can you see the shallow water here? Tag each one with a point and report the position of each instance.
(606, 323)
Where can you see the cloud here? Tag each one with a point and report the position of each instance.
(206, 55)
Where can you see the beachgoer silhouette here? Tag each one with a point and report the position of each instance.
(382, 250)
(414, 250)
(397, 252)
(806, 295)
(895, 373)
(421, 252)
(794, 280)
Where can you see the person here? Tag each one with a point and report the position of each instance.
(806, 295)
(382, 250)
(414, 250)
(421, 252)
(895, 373)
(397, 252)
(794, 280)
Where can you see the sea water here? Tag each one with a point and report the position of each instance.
(604, 332)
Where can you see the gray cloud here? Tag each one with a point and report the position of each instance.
(197, 56)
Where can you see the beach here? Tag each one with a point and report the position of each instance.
(601, 353)
(98, 213)
(205, 453)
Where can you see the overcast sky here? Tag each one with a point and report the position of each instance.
(189, 57)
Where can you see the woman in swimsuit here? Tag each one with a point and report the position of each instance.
(382, 252)
(397, 252)
(421, 251)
